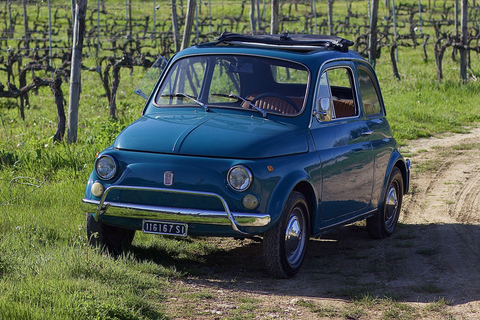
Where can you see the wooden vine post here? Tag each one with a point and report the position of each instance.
(252, 17)
(192, 4)
(176, 33)
(274, 18)
(372, 39)
(75, 75)
(25, 26)
(464, 42)
(330, 17)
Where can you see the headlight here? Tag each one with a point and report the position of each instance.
(239, 178)
(105, 167)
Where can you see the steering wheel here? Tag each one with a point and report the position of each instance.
(279, 96)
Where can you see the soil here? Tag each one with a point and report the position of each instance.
(428, 269)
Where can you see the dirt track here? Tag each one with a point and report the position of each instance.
(433, 256)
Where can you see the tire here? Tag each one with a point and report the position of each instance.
(285, 245)
(113, 240)
(383, 222)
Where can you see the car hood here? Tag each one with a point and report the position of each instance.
(213, 135)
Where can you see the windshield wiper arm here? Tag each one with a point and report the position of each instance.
(231, 95)
(181, 94)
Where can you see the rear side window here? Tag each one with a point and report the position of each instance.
(368, 93)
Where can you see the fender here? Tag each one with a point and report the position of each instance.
(283, 189)
(396, 160)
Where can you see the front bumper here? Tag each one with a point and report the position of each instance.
(238, 221)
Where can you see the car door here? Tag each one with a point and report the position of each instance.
(340, 133)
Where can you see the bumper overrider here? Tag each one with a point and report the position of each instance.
(238, 221)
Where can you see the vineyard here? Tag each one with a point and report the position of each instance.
(47, 269)
(37, 36)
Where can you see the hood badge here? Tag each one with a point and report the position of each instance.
(168, 178)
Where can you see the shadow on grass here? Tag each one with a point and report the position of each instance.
(419, 263)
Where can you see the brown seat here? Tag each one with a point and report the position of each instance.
(275, 104)
(344, 108)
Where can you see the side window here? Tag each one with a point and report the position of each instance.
(336, 92)
(370, 100)
(341, 86)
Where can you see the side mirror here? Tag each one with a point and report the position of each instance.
(145, 87)
(323, 109)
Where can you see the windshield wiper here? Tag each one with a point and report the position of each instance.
(231, 95)
(184, 95)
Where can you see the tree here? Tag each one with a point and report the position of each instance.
(75, 75)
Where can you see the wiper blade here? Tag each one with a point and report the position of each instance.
(231, 95)
(184, 95)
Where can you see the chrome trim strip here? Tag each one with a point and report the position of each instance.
(226, 217)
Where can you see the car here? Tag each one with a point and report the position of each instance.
(276, 137)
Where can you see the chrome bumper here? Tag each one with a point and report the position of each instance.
(140, 211)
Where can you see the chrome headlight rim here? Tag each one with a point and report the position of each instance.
(111, 174)
(248, 181)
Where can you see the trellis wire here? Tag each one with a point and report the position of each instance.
(200, 34)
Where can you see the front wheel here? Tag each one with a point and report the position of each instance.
(383, 222)
(109, 238)
(284, 246)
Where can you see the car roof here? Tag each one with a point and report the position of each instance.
(298, 42)
(312, 50)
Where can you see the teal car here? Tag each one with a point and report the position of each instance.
(282, 137)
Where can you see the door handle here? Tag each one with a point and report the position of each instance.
(366, 133)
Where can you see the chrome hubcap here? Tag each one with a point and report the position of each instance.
(294, 237)
(391, 207)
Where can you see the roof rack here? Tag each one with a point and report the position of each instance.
(303, 42)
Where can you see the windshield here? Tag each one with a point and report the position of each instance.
(252, 83)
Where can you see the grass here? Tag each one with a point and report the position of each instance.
(46, 269)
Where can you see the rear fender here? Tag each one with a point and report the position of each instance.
(396, 160)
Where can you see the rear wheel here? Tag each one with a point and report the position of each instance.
(382, 224)
(284, 246)
(109, 238)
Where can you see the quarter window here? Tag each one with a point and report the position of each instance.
(370, 100)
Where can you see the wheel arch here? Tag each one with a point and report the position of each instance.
(296, 181)
(396, 161)
(306, 189)
(404, 166)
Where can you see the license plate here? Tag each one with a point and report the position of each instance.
(168, 228)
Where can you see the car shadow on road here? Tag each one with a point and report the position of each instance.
(419, 263)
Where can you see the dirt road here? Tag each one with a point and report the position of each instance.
(429, 269)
